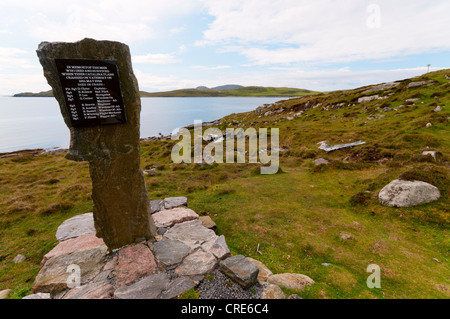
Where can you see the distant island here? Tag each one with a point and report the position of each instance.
(228, 90)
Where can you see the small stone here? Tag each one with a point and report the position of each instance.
(150, 287)
(272, 292)
(156, 206)
(241, 270)
(290, 281)
(4, 293)
(83, 242)
(416, 84)
(432, 153)
(171, 216)
(151, 172)
(264, 272)
(161, 230)
(219, 248)
(345, 236)
(437, 109)
(134, 262)
(326, 264)
(170, 252)
(208, 222)
(97, 290)
(40, 295)
(76, 226)
(366, 99)
(197, 263)
(172, 202)
(320, 161)
(177, 287)
(19, 258)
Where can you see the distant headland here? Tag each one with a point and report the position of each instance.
(229, 90)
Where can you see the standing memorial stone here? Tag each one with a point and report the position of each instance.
(98, 95)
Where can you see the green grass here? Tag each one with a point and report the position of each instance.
(295, 217)
(244, 91)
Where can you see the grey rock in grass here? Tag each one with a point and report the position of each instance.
(19, 258)
(40, 295)
(272, 292)
(172, 202)
(320, 161)
(76, 226)
(401, 193)
(240, 269)
(290, 281)
(416, 84)
(431, 153)
(264, 272)
(4, 293)
(208, 222)
(366, 99)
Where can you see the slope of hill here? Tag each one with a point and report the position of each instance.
(48, 93)
(242, 91)
(324, 221)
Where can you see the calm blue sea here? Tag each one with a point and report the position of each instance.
(36, 122)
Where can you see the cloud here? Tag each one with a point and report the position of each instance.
(211, 68)
(151, 82)
(155, 58)
(13, 58)
(128, 21)
(15, 83)
(295, 31)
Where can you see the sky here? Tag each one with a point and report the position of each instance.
(319, 45)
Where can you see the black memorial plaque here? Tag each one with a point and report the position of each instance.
(92, 91)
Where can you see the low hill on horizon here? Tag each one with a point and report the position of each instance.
(228, 90)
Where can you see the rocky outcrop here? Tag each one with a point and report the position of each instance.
(416, 84)
(186, 256)
(400, 193)
(290, 281)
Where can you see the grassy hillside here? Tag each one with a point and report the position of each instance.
(244, 91)
(294, 216)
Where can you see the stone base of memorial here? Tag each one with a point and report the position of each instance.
(184, 253)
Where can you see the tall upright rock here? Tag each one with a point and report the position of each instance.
(120, 198)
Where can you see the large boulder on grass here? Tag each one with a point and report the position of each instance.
(401, 193)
